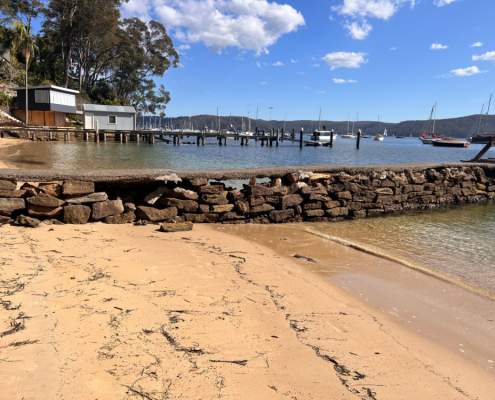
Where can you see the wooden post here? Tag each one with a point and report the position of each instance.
(152, 139)
(85, 136)
(126, 137)
(301, 138)
(97, 132)
(198, 138)
(293, 135)
(277, 137)
(358, 139)
(331, 138)
(138, 138)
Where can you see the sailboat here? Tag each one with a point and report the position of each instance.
(479, 137)
(349, 135)
(427, 137)
(442, 141)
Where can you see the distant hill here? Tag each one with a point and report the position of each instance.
(457, 127)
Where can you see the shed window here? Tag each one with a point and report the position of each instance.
(112, 119)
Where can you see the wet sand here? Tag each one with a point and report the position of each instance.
(105, 312)
(8, 147)
(461, 321)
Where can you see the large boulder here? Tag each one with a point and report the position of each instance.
(76, 214)
(90, 198)
(156, 215)
(78, 188)
(107, 208)
(9, 206)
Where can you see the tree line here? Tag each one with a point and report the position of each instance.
(86, 45)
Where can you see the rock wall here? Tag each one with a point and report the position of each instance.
(280, 197)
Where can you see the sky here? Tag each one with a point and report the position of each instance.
(353, 59)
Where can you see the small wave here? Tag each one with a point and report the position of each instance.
(414, 266)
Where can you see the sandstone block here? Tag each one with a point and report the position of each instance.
(76, 214)
(338, 212)
(125, 218)
(178, 227)
(7, 185)
(90, 198)
(44, 212)
(77, 188)
(215, 199)
(261, 209)
(280, 216)
(106, 209)
(45, 200)
(28, 222)
(9, 206)
(224, 208)
(314, 213)
(183, 205)
(384, 191)
(212, 189)
(156, 215)
(12, 193)
(291, 200)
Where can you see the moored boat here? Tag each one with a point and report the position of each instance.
(450, 142)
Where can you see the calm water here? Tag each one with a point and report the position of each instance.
(458, 242)
(113, 155)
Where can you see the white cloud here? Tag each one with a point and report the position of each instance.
(441, 3)
(278, 64)
(137, 8)
(488, 56)
(293, 61)
(358, 12)
(468, 71)
(344, 59)
(438, 46)
(263, 83)
(245, 24)
(477, 44)
(340, 81)
(358, 30)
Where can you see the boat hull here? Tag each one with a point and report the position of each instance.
(450, 143)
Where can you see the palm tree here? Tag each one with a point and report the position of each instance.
(25, 45)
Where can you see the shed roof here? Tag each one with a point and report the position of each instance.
(52, 87)
(112, 109)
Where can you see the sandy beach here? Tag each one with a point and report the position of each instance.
(105, 312)
(4, 144)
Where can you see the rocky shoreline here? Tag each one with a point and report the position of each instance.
(283, 196)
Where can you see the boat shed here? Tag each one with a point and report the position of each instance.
(48, 105)
(109, 118)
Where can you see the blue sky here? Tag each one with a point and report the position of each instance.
(291, 57)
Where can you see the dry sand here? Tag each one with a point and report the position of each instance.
(120, 312)
(5, 143)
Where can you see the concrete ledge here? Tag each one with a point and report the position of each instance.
(150, 175)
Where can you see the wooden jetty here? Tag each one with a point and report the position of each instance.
(490, 141)
(268, 138)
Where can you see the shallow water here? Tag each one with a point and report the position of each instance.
(458, 242)
(111, 155)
